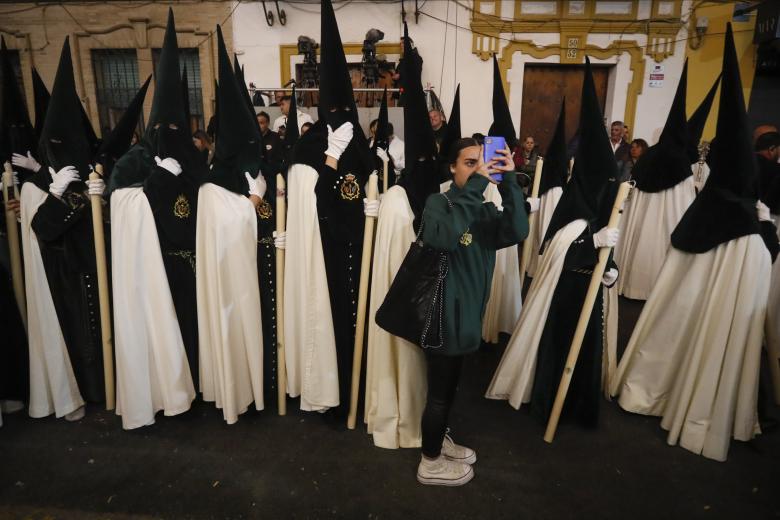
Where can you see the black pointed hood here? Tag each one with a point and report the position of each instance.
(16, 132)
(698, 120)
(64, 139)
(382, 136)
(292, 131)
(587, 194)
(41, 96)
(238, 147)
(239, 72)
(436, 103)
(452, 133)
(555, 168)
(185, 95)
(337, 100)
(116, 143)
(666, 163)
(502, 118)
(725, 208)
(335, 82)
(168, 104)
(419, 140)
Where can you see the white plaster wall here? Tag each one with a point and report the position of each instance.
(446, 64)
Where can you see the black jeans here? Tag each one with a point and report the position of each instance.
(443, 377)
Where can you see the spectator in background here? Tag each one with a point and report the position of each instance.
(284, 105)
(619, 146)
(271, 140)
(278, 95)
(636, 149)
(626, 133)
(525, 156)
(438, 125)
(204, 145)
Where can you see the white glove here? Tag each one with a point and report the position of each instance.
(257, 186)
(382, 154)
(170, 164)
(606, 237)
(371, 208)
(763, 212)
(610, 277)
(28, 163)
(534, 202)
(61, 179)
(280, 240)
(96, 187)
(338, 140)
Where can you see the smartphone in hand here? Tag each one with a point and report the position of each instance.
(489, 152)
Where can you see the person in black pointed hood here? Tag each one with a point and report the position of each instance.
(534, 359)
(665, 187)
(340, 193)
(451, 135)
(185, 96)
(694, 356)
(16, 132)
(116, 143)
(58, 220)
(237, 332)
(419, 177)
(381, 143)
(166, 164)
(555, 175)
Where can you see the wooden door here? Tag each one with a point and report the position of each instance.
(544, 86)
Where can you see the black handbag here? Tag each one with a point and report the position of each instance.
(413, 308)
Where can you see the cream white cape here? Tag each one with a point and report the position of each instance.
(53, 387)
(547, 203)
(645, 234)
(506, 301)
(695, 352)
(152, 372)
(228, 293)
(395, 369)
(310, 343)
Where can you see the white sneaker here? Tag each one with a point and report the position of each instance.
(443, 472)
(456, 452)
(75, 415)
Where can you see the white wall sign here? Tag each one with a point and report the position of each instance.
(657, 76)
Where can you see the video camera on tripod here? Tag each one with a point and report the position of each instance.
(370, 64)
(308, 47)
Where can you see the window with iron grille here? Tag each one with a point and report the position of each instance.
(116, 83)
(191, 59)
(13, 56)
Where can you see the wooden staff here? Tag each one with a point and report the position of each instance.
(528, 244)
(385, 180)
(102, 276)
(13, 243)
(582, 324)
(360, 327)
(281, 225)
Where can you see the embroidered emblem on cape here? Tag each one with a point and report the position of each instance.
(350, 189)
(264, 210)
(181, 208)
(74, 200)
(466, 238)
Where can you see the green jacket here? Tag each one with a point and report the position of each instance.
(471, 231)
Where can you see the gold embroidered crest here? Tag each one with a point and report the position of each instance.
(350, 189)
(264, 210)
(181, 208)
(466, 238)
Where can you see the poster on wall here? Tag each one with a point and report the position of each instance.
(657, 76)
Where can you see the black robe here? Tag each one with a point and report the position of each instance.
(266, 270)
(340, 210)
(64, 230)
(582, 400)
(174, 205)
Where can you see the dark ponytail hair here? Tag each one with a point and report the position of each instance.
(457, 146)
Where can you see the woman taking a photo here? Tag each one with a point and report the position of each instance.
(470, 230)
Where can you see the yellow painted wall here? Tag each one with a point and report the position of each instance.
(704, 64)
